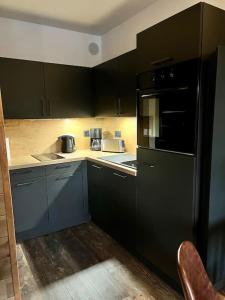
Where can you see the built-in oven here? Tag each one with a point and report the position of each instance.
(167, 107)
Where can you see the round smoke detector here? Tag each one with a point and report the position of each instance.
(93, 48)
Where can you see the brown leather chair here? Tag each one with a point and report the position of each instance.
(194, 279)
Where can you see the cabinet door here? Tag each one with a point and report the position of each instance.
(126, 80)
(97, 195)
(121, 196)
(106, 89)
(165, 207)
(68, 90)
(22, 88)
(67, 204)
(177, 38)
(30, 205)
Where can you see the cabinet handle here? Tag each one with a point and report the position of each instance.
(149, 95)
(148, 165)
(161, 61)
(63, 167)
(22, 172)
(23, 184)
(97, 167)
(121, 176)
(63, 178)
(42, 107)
(49, 107)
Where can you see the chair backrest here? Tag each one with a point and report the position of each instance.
(195, 282)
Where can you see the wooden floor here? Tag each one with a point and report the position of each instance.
(84, 263)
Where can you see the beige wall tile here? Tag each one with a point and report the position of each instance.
(41, 136)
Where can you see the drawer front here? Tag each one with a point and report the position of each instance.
(27, 173)
(63, 168)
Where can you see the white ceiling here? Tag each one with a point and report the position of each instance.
(90, 16)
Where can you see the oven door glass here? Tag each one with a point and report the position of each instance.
(166, 120)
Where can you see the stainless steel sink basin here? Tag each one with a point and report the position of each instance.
(47, 156)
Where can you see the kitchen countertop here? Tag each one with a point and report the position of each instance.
(27, 161)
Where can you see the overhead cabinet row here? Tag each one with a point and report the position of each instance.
(44, 90)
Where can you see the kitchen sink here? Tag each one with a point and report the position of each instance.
(47, 156)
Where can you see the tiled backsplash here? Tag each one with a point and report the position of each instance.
(41, 136)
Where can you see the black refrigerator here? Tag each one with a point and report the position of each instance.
(181, 160)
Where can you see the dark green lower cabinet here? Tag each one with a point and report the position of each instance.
(112, 201)
(46, 203)
(56, 197)
(97, 195)
(66, 200)
(165, 207)
(30, 205)
(121, 192)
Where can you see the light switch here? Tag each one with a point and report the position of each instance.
(86, 133)
(118, 134)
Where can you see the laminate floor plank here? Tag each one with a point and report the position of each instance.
(106, 248)
(84, 263)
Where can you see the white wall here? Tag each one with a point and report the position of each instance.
(123, 37)
(31, 41)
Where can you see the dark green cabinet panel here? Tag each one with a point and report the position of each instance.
(121, 195)
(22, 88)
(68, 90)
(34, 90)
(30, 205)
(112, 200)
(105, 89)
(66, 201)
(165, 207)
(126, 81)
(97, 195)
(62, 168)
(115, 86)
(26, 173)
(50, 198)
(177, 38)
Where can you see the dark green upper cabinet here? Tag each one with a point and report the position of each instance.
(115, 87)
(175, 39)
(126, 80)
(105, 89)
(68, 90)
(22, 88)
(35, 90)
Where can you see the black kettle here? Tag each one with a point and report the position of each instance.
(68, 143)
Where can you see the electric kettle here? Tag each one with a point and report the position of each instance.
(68, 143)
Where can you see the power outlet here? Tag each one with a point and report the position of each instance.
(86, 133)
(118, 134)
